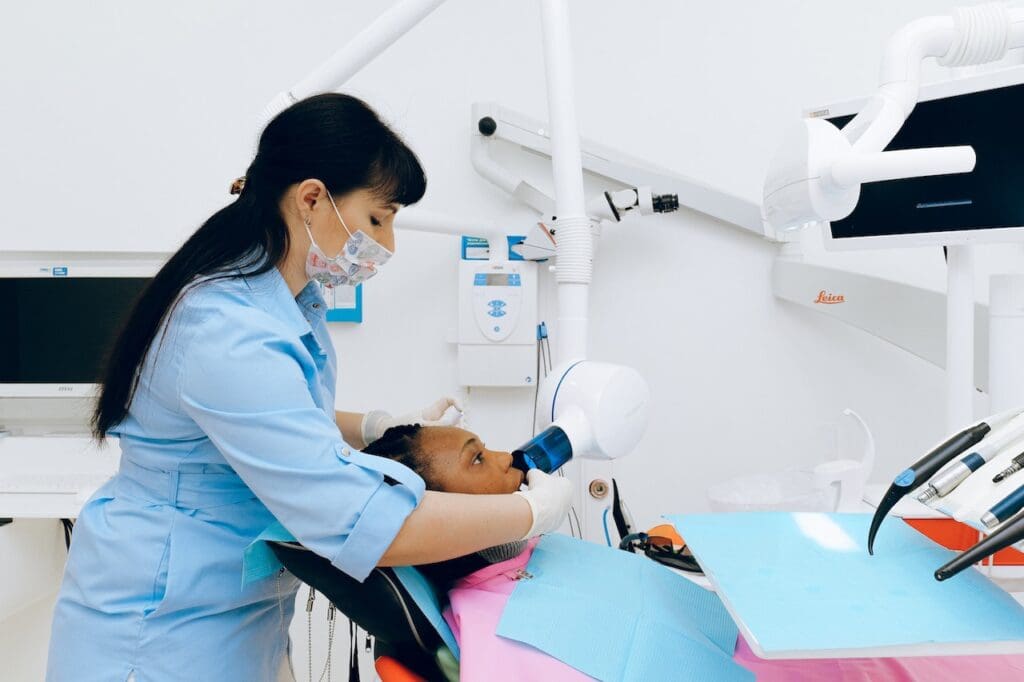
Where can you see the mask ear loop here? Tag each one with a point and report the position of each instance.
(338, 213)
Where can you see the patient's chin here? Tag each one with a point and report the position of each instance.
(517, 479)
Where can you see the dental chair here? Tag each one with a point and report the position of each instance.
(405, 642)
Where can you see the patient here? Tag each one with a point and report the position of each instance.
(449, 459)
(453, 460)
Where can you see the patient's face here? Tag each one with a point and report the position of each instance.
(460, 463)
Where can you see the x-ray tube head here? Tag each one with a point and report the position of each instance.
(586, 409)
(547, 451)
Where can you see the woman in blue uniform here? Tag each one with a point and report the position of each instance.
(221, 392)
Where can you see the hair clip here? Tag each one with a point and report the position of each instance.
(237, 185)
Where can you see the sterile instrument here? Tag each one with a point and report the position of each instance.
(947, 480)
(1004, 508)
(1017, 465)
(1010, 534)
(912, 477)
(957, 493)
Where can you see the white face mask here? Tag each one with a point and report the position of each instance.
(358, 261)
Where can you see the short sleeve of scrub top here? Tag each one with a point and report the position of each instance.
(250, 386)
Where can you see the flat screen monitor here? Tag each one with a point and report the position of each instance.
(56, 331)
(986, 205)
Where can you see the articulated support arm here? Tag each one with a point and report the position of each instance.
(817, 173)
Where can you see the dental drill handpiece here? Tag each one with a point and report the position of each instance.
(1016, 464)
(1011, 533)
(946, 481)
(921, 470)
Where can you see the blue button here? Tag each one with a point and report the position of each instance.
(496, 304)
(497, 313)
(906, 478)
(497, 329)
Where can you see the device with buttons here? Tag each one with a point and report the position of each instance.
(497, 323)
(497, 300)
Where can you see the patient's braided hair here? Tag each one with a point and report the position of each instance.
(402, 444)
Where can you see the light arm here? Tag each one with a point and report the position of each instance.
(357, 53)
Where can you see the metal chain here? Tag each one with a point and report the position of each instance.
(309, 633)
(330, 642)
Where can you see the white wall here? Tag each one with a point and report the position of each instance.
(123, 124)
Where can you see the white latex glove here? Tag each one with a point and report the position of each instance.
(446, 411)
(549, 497)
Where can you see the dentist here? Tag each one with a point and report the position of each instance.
(221, 391)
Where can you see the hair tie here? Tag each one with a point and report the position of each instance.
(237, 185)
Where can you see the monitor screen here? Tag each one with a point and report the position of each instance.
(57, 330)
(990, 197)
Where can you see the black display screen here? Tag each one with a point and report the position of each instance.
(992, 196)
(56, 330)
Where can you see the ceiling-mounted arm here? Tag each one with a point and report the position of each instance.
(395, 22)
(817, 173)
(357, 53)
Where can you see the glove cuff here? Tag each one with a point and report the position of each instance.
(373, 425)
(534, 512)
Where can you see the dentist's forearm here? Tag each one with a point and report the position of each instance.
(351, 426)
(449, 525)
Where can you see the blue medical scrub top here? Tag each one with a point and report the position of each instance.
(231, 429)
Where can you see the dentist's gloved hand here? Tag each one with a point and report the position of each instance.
(446, 411)
(549, 497)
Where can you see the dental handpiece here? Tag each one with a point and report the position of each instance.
(1016, 464)
(1011, 533)
(946, 481)
(1004, 508)
(921, 470)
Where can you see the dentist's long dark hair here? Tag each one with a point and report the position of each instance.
(335, 138)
